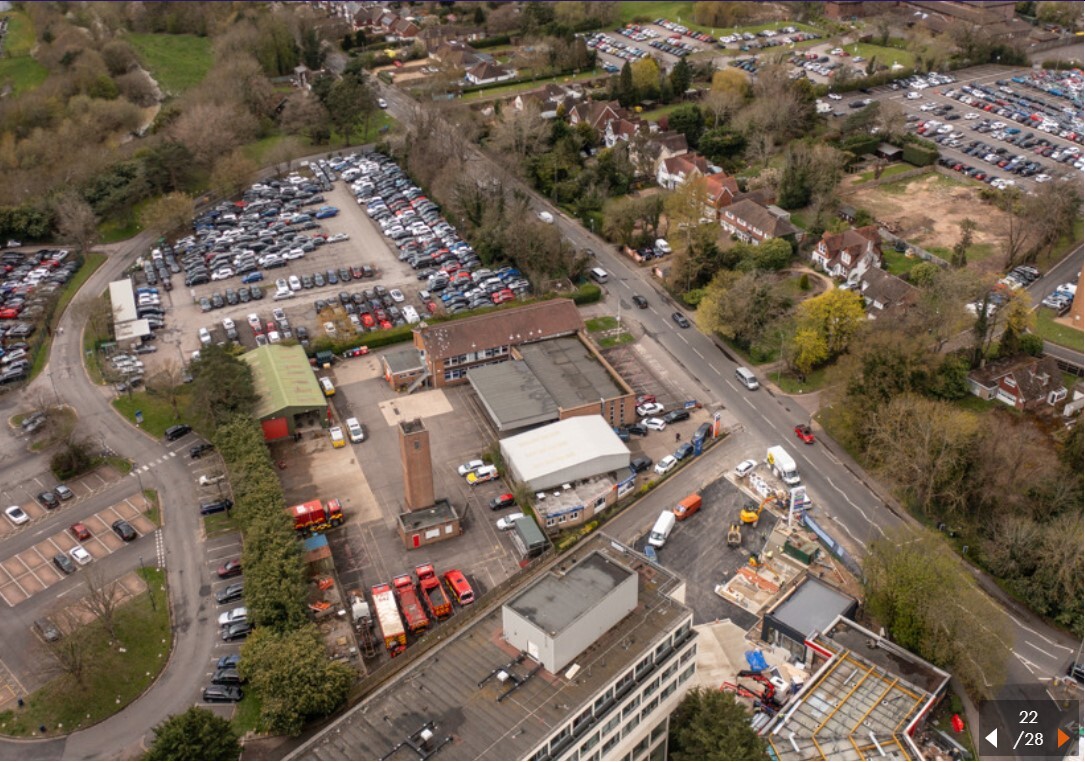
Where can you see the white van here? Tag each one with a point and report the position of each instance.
(746, 377)
(599, 275)
(410, 314)
(662, 529)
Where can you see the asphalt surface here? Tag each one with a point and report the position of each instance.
(856, 508)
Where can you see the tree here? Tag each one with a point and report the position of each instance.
(294, 677)
(196, 733)
(712, 724)
(917, 588)
(168, 214)
(681, 77)
(304, 114)
(1066, 15)
(232, 174)
(209, 130)
(740, 306)
(1017, 319)
(69, 654)
(102, 598)
(312, 48)
(837, 315)
(646, 74)
(221, 386)
(519, 134)
(721, 146)
(960, 249)
(76, 221)
(168, 383)
(168, 166)
(350, 104)
(627, 91)
(773, 254)
(807, 351)
(732, 81)
(689, 121)
(811, 174)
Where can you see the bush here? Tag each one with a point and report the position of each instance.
(804, 282)
(919, 156)
(74, 459)
(589, 293)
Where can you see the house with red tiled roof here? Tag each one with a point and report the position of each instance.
(1022, 383)
(720, 191)
(458, 54)
(848, 254)
(675, 170)
(598, 114)
(754, 223)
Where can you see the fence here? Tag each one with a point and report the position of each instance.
(832, 545)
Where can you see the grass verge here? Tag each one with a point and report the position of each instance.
(977, 252)
(516, 87)
(176, 61)
(616, 341)
(220, 523)
(22, 73)
(602, 323)
(886, 56)
(789, 384)
(247, 714)
(153, 512)
(112, 678)
(157, 412)
(1056, 333)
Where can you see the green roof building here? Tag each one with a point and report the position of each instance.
(287, 388)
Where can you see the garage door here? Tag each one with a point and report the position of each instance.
(275, 428)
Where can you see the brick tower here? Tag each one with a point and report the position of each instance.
(414, 454)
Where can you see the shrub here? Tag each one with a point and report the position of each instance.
(919, 156)
(804, 282)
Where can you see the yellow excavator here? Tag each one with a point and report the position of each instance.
(750, 515)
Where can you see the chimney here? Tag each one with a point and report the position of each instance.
(414, 454)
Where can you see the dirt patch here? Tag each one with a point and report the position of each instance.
(928, 210)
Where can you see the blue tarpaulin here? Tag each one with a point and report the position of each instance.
(756, 660)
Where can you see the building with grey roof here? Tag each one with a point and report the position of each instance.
(549, 381)
(809, 609)
(621, 650)
(564, 452)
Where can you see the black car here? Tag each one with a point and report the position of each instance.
(196, 451)
(124, 530)
(640, 301)
(680, 319)
(676, 415)
(227, 676)
(215, 506)
(230, 694)
(235, 591)
(48, 499)
(640, 463)
(65, 564)
(637, 428)
(174, 433)
(623, 433)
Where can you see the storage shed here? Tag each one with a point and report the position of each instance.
(564, 452)
(286, 386)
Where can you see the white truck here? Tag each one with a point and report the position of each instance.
(783, 465)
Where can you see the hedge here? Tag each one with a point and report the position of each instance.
(919, 156)
(860, 144)
(491, 42)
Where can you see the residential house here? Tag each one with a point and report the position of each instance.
(379, 20)
(433, 37)
(883, 292)
(848, 254)
(598, 114)
(720, 190)
(754, 223)
(458, 54)
(1029, 383)
(485, 73)
(550, 99)
(675, 170)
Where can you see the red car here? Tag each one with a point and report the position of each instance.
(805, 434)
(502, 296)
(356, 352)
(230, 569)
(431, 307)
(80, 531)
(644, 399)
(9, 313)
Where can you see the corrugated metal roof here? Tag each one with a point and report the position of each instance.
(283, 379)
(558, 446)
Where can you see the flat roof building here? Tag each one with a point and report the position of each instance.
(586, 662)
(552, 380)
(286, 387)
(568, 451)
(809, 609)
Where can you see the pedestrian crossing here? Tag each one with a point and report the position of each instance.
(136, 470)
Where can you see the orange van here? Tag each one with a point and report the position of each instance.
(687, 506)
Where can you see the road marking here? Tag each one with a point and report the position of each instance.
(683, 338)
(698, 353)
(715, 369)
(1046, 653)
(856, 507)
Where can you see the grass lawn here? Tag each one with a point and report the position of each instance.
(1056, 333)
(792, 287)
(789, 384)
(220, 523)
(897, 263)
(153, 512)
(889, 171)
(616, 341)
(900, 187)
(24, 73)
(977, 252)
(247, 714)
(654, 10)
(362, 135)
(157, 413)
(974, 404)
(656, 113)
(113, 679)
(603, 323)
(887, 56)
(21, 37)
(111, 231)
(91, 262)
(519, 87)
(176, 61)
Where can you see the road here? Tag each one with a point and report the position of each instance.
(857, 508)
(1063, 272)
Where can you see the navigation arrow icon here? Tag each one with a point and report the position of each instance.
(992, 738)
(1061, 737)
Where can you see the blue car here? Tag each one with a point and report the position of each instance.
(684, 451)
(253, 277)
(228, 662)
(325, 213)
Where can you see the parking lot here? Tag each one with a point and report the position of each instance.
(666, 41)
(24, 494)
(968, 121)
(33, 570)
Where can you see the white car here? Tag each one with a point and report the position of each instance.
(234, 616)
(655, 424)
(222, 273)
(16, 515)
(228, 324)
(397, 296)
(274, 337)
(508, 522)
(469, 466)
(913, 96)
(80, 555)
(205, 337)
(208, 480)
(295, 283)
(278, 315)
(649, 409)
(745, 468)
(355, 430)
(254, 323)
(338, 237)
(546, 217)
(836, 96)
(971, 115)
(381, 103)
(665, 464)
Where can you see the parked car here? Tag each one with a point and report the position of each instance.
(502, 501)
(230, 569)
(48, 499)
(62, 562)
(124, 530)
(219, 694)
(16, 515)
(745, 468)
(665, 464)
(235, 591)
(506, 523)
